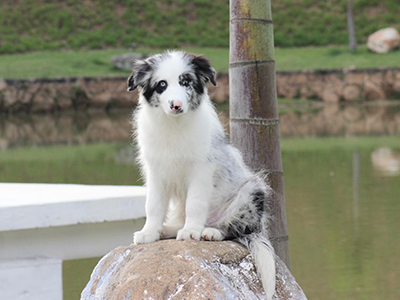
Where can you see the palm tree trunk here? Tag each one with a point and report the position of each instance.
(350, 26)
(254, 120)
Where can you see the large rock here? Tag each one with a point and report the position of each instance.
(125, 61)
(184, 270)
(384, 40)
(372, 91)
(351, 92)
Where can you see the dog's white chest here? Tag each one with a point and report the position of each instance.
(163, 140)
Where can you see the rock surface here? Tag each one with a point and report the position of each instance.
(184, 270)
(125, 61)
(384, 40)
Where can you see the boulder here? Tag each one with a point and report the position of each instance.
(330, 95)
(373, 91)
(173, 269)
(351, 92)
(384, 40)
(125, 61)
(43, 97)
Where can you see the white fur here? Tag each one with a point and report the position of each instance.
(198, 185)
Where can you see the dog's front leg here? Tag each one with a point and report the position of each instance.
(197, 203)
(156, 208)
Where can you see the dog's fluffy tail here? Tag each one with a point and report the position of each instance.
(264, 258)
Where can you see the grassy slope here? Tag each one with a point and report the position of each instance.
(28, 25)
(98, 62)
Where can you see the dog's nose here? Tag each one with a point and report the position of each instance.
(176, 105)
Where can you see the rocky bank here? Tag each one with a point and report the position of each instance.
(107, 93)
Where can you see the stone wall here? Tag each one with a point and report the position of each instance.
(105, 93)
(340, 85)
(58, 94)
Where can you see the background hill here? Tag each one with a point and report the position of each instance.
(31, 25)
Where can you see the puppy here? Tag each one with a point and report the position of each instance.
(198, 185)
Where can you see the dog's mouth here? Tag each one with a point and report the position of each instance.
(177, 111)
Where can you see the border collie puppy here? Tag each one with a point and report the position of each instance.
(198, 185)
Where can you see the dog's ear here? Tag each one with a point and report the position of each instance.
(141, 73)
(203, 68)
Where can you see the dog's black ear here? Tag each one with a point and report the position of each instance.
(203, 68)
(141, 72)
(131, 84)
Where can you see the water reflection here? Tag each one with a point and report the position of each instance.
(386, 161)
(67, 128)
(340, 120)
(297, 120)
(356, 187)
(342, 227)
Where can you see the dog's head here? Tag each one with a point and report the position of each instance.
(174, 81)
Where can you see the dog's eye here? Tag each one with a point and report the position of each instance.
(161, 86)
(185, 82)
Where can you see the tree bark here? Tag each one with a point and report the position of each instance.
(254, 120)
(350, 26)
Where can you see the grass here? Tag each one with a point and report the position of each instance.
(98, 62)
(28, 25)
(57, 64)
(334, 57)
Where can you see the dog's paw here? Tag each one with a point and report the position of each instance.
(188, 234)
(145, 237)
(212, 234)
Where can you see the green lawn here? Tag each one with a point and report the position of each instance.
(98, 63)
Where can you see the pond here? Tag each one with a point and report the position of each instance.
(342, 186)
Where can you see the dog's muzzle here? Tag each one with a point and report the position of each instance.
(176, 107)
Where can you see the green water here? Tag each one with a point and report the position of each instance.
(343, 213)
(342, 187)
(343, 220)
(76, 274)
